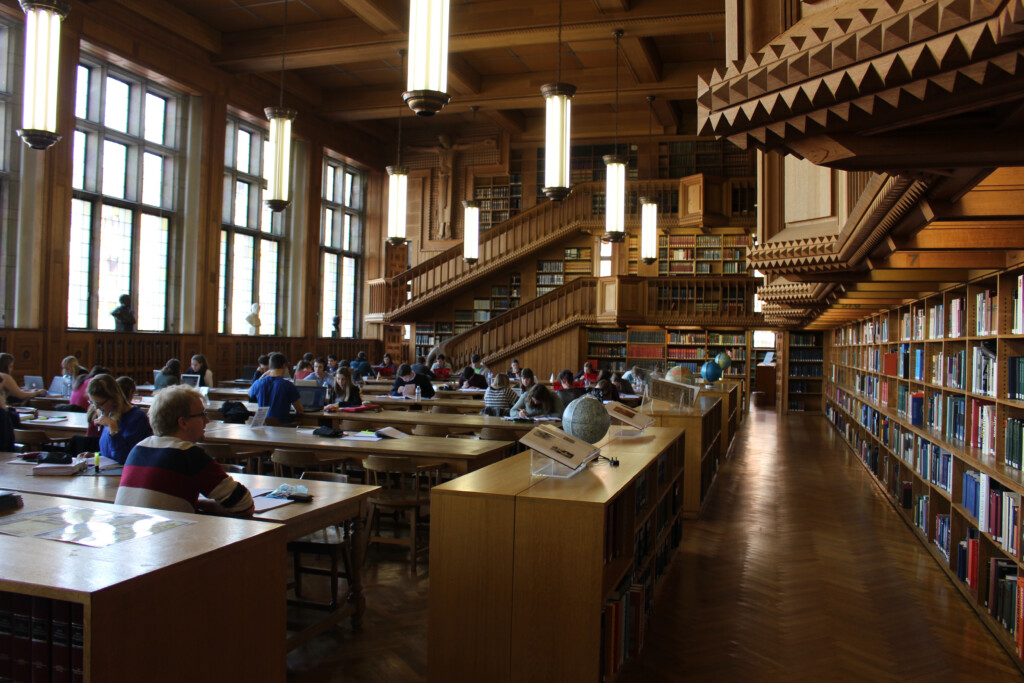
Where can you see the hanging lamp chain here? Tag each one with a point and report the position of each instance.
(559, 79)
(398, 152)
(650, 143)
(284, 43)
(618, 34)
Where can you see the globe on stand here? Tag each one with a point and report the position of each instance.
(711, 372)
(586, 419)
(723, 360)
(680, 374)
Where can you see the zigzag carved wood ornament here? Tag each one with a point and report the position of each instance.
(836, 86)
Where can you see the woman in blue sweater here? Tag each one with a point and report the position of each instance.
(121, 424)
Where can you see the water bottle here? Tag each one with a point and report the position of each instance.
(67, 386)
(418, 392)
(552, 378)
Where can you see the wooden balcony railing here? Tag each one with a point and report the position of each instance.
(697, 301)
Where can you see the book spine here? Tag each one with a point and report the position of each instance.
(40, 640)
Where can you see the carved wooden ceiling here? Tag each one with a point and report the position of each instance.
(878, 84)
(341, 56)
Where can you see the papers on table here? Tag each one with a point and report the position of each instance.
(45, 419)
(263, 503)
(391, 433)
(46, 469)
(260, 418)
(86, 526)
(361, 436)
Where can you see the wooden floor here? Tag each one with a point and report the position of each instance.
(798, 570)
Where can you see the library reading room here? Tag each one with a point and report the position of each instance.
(476, 341)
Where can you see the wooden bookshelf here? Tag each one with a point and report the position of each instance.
(694, 252)
(800, 369)
(527, 573)
(606, 348)
(927, 395)
(494, 194)
(579, 262)
(550, 276)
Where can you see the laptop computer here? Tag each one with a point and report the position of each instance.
(311, 397)
(34, 382)
(191, 380)
(769, 358)
(57, 387)
(443, 373)
(248, 372)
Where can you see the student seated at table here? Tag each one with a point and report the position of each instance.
(605, 391)
(8, 386)
(128, 387)
(387, 366)
(168, 471)
(526, 379)
(565, 380)
(121, 424)
(587, 374)
(303, 370)
(169, 375)
(635, 376)
(360, 367)
(199, 367)
(346, 393)
(499, 397)
(407, 376)
(440, 363)
(513, 369)
(622, 385)
(420, 367)
(470, 380)
(539, 401)
(9, 421)
(262, 365)
(320, 374)
(332, 364)
(273, 390)
(73, 370)
(478, 365)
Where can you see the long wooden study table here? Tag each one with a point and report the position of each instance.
(332, 503)
(437, 423)
(461, 455)
(173, 606)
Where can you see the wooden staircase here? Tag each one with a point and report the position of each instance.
(398, 299)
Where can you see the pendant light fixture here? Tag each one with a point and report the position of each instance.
(398, 185)
(42, 57)
(615, 166)
(558, 107)
(428, 57)
(279, 168)
(648, 206)
(471, 217)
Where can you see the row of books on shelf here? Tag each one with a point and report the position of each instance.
(994, 507)
(41, 639)
(644, 352)
(799, 370)
(986, 310)
(606, 350)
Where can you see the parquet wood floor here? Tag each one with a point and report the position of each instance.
(799, 570)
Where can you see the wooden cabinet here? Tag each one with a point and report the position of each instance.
(202, 601)
(703, 426)
(928, 395)
(529, 576)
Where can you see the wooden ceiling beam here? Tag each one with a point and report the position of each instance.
(346, 41)
(666, 114)
(169, 17)
(964, 235)
(521, 91)
(896, 151)
(993, 258)
(383, 16)
(511, 121)
(611, 5)
(463, 79)
(642, 59)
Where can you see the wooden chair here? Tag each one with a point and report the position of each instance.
(223, 454)
(334, 542)
(405, 490)
(292, 463)
(35, 439)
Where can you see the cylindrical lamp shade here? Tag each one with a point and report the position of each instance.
(398, 182)
(615, 198)
(278, 166)
(471, 231)
(648, 230)
(42, 58)
(428, 56)
(558, 104)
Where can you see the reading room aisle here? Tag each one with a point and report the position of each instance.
(800, 570)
